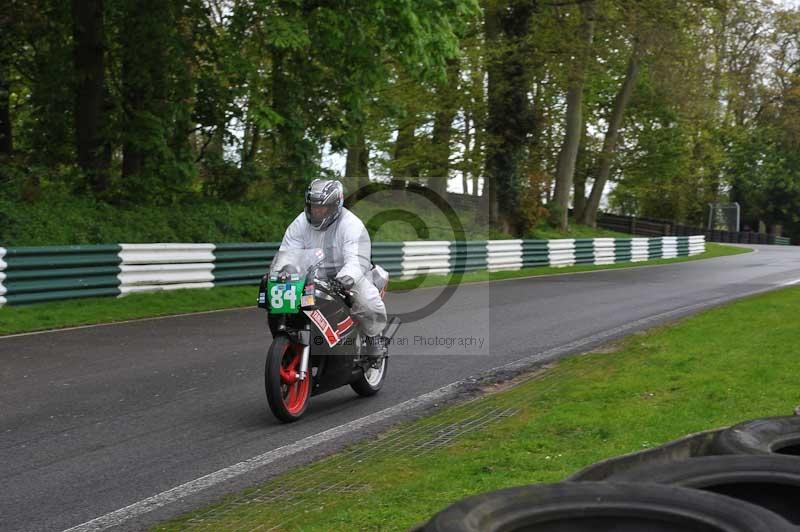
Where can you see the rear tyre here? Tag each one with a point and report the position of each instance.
(371, 380)
(604, 506)
(287, 396)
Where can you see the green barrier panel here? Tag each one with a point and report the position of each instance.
(584, 251)
(535, 253)
(60, 295)
(683, 246)
(468, 256)
(389, 255)
(242, 264)
(623, 250)
(38, 274)
(655, 248)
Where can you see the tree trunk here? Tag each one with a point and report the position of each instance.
(143, 82)
(6, 138)
(357, 163)
(89, 59)
(574, 121)
(610, 142)
(581, 173)
(467, 162)
(443, 132)
(404, 167)
(493, 121)
(509, 117)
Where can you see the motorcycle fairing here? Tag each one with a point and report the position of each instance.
(322, 324)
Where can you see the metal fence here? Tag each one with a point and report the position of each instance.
(653, 227)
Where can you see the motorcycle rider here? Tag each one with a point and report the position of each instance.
(326, 224)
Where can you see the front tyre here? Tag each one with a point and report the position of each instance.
(287, 396)
(371, 379)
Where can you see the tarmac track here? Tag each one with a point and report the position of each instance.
(95, 419)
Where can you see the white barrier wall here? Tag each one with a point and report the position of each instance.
(561, 252)
(423, 257)
(154, 267)
(669, 248)
(504, 255)
(697, 244)
(639, 249)
(604, 251)
(2, 276)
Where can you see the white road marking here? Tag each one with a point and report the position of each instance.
(118, 517)
(791, 283)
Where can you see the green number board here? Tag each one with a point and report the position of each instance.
(284, 298)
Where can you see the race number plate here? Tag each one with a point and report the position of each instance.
(284, 298)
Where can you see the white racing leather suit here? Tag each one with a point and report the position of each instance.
(348, 249)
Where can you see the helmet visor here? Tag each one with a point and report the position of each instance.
(316, 213)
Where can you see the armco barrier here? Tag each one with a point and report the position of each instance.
(604, 251)
(504, 255)
(34, 274)
(389, 255)
(468, 256)
(29, 275)
(152, 267)
(780, 240)
(426, 257)
(561, 252)
(639, 249)
(535, 254)
(241, 264)
(2, 277)
(584, 251)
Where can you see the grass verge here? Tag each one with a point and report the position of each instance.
(714, 369)
(106, 310)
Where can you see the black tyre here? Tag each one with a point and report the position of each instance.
(604, 507)
(770, 481)
(287, 396)
(371, 381)
(771, 435)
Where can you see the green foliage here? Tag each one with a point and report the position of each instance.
(68, 220)
(245, 100)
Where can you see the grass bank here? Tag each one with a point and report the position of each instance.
(106, 310)
(711, 370)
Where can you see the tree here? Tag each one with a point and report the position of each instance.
(509, 119)
(94, 153)
(574, 124)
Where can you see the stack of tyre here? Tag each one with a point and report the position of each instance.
(747, 480)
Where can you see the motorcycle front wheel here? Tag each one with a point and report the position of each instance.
(286, 394)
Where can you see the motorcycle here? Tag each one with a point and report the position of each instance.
(316, 346)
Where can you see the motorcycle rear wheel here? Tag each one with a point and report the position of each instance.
(370, 381)
(287, 396)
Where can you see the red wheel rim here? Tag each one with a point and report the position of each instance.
(294, 392)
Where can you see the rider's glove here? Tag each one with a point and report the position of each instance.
(346, 281)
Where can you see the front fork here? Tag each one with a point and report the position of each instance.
(304, 338)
